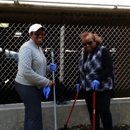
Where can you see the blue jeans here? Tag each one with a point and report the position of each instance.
(31, 97)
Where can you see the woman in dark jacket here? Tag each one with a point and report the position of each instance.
(96, 67)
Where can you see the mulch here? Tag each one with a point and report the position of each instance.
(88, 127)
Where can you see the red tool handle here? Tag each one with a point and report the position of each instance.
(72, 109)
(94, 111)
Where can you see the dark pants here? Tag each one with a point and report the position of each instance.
(102, 108)
(31, 97)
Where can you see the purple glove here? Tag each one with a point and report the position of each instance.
(53, 67)
(46, 91)
(95, 85)
(77, 87)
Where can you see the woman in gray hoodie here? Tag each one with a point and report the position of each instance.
(31, 77)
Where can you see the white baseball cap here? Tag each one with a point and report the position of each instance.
(35, 27)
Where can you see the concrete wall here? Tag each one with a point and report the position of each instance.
(12, 115)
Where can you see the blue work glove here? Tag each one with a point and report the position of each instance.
(95, 85)
(77, 87)
(46, 91)
(53, 67)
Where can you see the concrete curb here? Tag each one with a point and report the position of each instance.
(12, 115)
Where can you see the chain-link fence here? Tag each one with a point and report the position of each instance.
(62, 34)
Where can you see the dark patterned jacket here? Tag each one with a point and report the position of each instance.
(97, 65)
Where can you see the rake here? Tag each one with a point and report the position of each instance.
(66, 123)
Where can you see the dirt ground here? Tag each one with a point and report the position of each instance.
(88, 127)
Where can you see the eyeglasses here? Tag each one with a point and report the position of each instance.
(87, 43)
(38, 34)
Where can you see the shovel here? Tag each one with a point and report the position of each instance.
(94, 111)
(54, 95)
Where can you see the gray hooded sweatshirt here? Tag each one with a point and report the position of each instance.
(32, 65)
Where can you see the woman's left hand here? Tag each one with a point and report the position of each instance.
(53, 67)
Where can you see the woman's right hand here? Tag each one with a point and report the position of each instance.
(51, 84)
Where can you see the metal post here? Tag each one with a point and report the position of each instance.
(62, 34)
